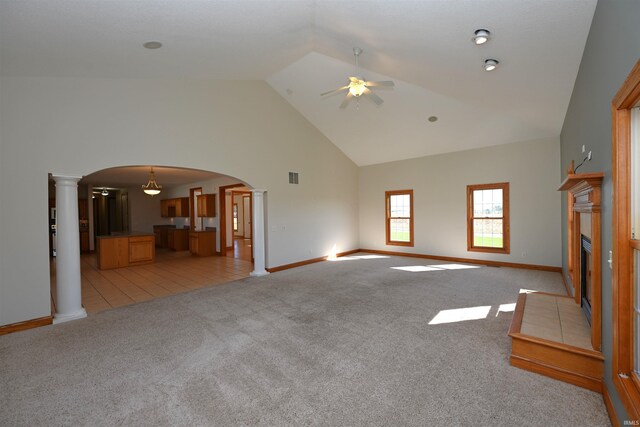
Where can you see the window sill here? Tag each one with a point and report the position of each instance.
(391, 243)
(489, 250)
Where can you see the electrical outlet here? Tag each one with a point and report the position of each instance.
(583, 148)
(589, 155)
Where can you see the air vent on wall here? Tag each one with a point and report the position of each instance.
(293, 177)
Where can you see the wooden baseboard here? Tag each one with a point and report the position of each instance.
(308, 261)
(611, 410)
(27, 324)
(468, 260)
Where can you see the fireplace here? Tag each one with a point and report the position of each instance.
(586, 285)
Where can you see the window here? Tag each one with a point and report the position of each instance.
(235, 217)
(625, 280)
(399, 223)
(488, 218)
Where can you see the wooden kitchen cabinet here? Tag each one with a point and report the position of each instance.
(84, 241)
(182, 207)
(164, 207)
(161, 235)
(178, 239)
(202, 243)
(83, 209)
(206, 205)
(172, 208)
(125, 250)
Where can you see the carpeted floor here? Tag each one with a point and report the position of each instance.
(334, 343)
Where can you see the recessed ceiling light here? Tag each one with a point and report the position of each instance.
(490, 64)
(152, 45)
(482, 36)
(433, 119)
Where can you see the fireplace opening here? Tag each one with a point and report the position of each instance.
(585, 276)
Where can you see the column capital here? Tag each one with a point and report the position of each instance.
(258, 191)
(65, 179)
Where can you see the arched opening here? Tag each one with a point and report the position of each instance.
(135, 246)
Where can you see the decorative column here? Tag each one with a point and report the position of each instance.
(68, 291)
(258, 234)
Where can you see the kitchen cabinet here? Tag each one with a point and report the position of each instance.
(161, 235)
(206, 205)
(83, 209)
(84, 241)
(164, 207)
(202, 243)
(125, 250)
(172, 208)
(178, 239)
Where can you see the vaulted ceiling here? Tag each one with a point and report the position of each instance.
(304, 47)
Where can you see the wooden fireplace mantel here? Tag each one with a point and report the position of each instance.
(585, 197)
(573, 179)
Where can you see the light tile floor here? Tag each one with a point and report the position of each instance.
(556, 318)
(172, 273)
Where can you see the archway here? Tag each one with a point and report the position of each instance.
(140, 226)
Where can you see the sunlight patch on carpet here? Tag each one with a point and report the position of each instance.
(435, 267)
(461, 315)
(506, 308)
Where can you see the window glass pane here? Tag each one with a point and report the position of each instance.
(488, 233)
(399, 230)
(487, 203)
(400, 206)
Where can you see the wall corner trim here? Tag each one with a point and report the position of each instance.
(611, 410)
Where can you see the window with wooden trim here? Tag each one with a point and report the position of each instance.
(626, 243)
(488, 218)
(399, 217)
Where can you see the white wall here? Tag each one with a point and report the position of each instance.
(439, 184)
(240, 129)
(144, 211)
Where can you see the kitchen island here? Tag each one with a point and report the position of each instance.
(124, 250)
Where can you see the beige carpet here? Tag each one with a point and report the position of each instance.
(334, 343)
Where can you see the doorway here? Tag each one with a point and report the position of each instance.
(240, 222)
(233, 218)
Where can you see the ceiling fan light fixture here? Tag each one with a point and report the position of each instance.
(357, 88)
(481, 36)
(490, 64)
(105, 192)
(152, 188)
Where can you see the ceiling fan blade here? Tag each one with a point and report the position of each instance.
(375, 98)
(346, 100)
(387, 83)
(343, 88)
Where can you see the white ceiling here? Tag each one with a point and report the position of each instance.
(306, 46)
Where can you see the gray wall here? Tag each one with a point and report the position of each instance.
(612, 49)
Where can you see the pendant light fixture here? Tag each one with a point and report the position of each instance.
(152, 188)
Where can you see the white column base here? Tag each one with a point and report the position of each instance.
(258, 273)
(61, 318)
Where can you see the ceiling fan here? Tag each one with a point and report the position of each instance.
(359, 86)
